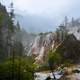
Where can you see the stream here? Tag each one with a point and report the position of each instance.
(43, 76)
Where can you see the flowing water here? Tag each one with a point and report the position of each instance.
(43, 76)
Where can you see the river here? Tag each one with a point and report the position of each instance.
(43, 76)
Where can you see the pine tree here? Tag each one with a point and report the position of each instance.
(10, 29)
(18, 26)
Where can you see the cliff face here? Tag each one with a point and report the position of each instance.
(7, 30)
(44, 42)
(3, 31)
(69, 49)
(73, 27)
(41, 45)
(26, 39)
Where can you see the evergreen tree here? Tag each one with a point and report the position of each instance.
(18, 26)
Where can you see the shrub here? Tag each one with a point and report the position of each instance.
(17, 69)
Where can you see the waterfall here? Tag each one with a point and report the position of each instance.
(41, 45)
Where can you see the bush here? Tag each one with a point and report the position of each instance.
(54, 59)
(19, 69)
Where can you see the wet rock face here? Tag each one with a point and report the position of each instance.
(41, 45)
(73, 27)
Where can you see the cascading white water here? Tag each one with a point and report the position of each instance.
(40, 57)
(41, 44)
(34, 48)
(43, 76)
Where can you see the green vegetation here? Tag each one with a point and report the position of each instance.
(17, 69)
(54, 59)
(69, 49)
(13, 64)
(61, 34)
(67, 53)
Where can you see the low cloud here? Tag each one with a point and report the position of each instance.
(44, 15)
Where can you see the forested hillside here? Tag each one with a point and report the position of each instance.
(13, 63)
(23, 54)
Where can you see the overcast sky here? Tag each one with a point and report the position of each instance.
(54, 10)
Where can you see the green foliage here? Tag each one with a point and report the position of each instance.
(67, 63)
(18, 49)
(61, 34)
(67, 53)
(8, 46)
(70, 49)
(11, 26)
(1, 17)
(18, 27)
(17, 69)
(54, 59)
